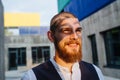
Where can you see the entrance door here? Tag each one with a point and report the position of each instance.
(12, 60)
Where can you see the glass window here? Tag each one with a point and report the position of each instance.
(36, 55)
(40, 54)
(21, 56)
(112, 45)
(94, 49)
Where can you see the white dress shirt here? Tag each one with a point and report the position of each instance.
(64, 72)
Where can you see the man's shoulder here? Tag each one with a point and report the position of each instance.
(46, 71)
(44, 65)
(28, 75)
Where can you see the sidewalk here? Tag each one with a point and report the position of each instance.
(110, 78)
(13, 75)
(16, 75)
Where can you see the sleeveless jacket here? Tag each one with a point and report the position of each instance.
(46, 71)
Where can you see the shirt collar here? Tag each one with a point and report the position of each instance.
(57, 66)
(63, 71)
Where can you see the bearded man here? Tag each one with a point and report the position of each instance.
(65, 33)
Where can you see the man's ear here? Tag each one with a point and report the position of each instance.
(50, 36)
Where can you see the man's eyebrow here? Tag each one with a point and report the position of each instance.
(64, 27)
(79, 27)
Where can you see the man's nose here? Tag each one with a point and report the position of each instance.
(74, 36)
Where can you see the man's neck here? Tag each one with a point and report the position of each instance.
(63, 63)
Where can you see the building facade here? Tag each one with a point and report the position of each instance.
(28, 49)
(2, 77)
(101, 32)
(101, 38)
(23, 52)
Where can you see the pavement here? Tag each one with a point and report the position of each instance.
(16, 75)
(110, 78)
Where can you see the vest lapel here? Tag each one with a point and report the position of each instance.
(88, 72)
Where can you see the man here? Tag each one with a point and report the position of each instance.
(67, 64)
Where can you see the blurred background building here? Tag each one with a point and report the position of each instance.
(26, 42)
(101, 31)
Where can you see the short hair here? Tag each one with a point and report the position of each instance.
(58, 18)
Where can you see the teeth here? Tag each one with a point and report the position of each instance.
(73, 44)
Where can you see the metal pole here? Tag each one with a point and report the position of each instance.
(2, 69)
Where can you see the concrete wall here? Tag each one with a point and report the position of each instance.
(105, 19)
(27, 41)
(1, 43)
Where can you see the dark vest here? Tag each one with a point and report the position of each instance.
(46, 71)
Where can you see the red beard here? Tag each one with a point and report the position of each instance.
(69, 51)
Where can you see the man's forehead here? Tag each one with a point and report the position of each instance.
(69, 21)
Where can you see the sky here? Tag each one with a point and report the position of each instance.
(46, 8)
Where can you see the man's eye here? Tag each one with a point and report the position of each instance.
(66, 31)
(79, 30)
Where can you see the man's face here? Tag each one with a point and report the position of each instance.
(67, 40)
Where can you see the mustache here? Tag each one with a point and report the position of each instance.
(72, 42)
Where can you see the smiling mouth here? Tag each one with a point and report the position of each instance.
(73, 45)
